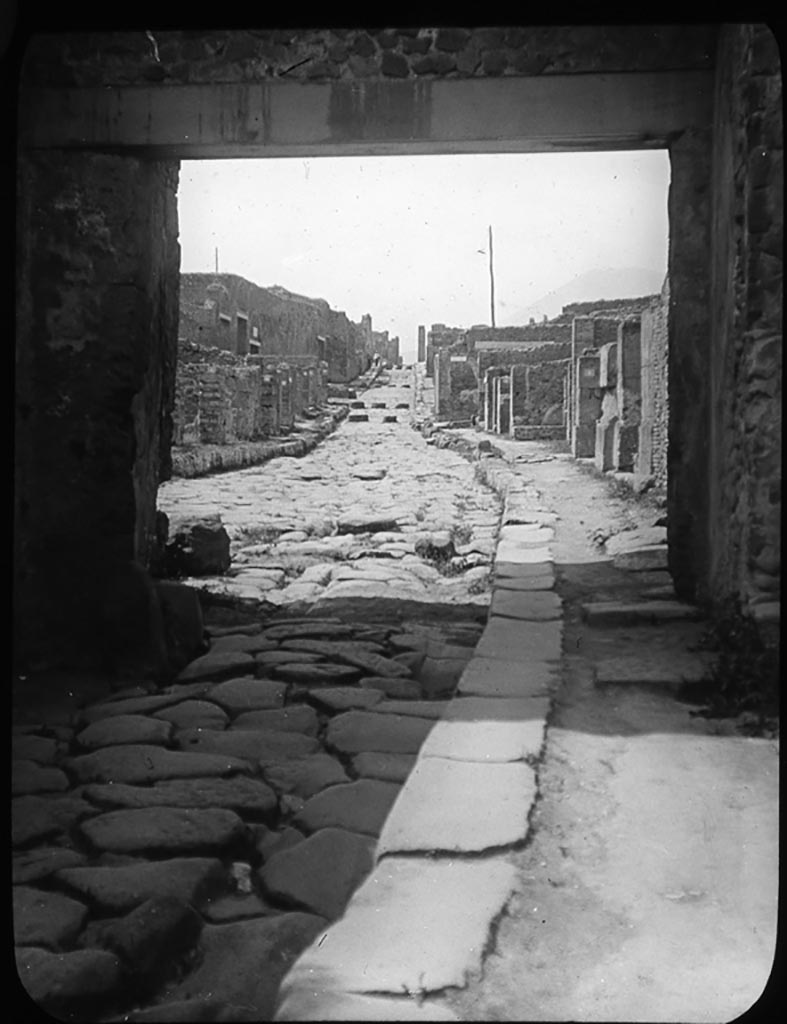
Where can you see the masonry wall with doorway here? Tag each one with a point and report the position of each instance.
(98, 267)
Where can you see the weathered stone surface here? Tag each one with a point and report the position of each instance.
(295, 718)
(386, 767)
(249, 744)
(273, 842)
(170, 829)
(432, 812)
(393, 686)
(272, 659)
(510, 553)
(511, 641)
(360, 806)
(240, 794)
(533, 605)
(194, 714)
(118, 889)
(419, 708)
(357, 523)
(489, 729)
(132, 706)
(198, 547)
(620, 613)
(248, 694)
(413, 926)
(523, 570)
(150, 937)
(499, 677)
(323, 674)
(544, 581)
(43, 862)
(631, 540)
(304, 776)
(238, 907)
(122, 729)
(53, 980)
(316, 628)
(183, 625)
(357, 731)
(342, 698)
(41, 749)
(319, 1004)
(530, 535)
(34, 818)
(146, 763)
(321, 873)
(29, 777)
(438, 676)
(45, 918)
(353, 654)
(217, 665)
(230, 974)
(655, 667)
(642, 559)
(255, 644)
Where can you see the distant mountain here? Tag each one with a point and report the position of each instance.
(611, 283)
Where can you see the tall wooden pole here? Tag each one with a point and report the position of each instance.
(491, 277)
(216, 258)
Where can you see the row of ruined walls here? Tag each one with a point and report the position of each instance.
(221, 398)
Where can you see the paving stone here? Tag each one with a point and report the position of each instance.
(655, 667)
(132, 706)
(257, 644)
(241, 794)
(230, 973)
(393, 686)
(419, 708)
(460, 806)
(146, 763)
(533, 606)
(272, 842)
(512, 641)
(353, 654)
(217, 665)
(527, 535)
(360, 806)
(295, 718)
(43, 862)
(36, 818)
(499, 677)
(487, 729)
(318, 1004)
(523, 570)
(623, 613)
(631, 540)
(386, 767)
(54, 980)
(342, 698)
(249, 744)
(150, 937)
(357, 731)
(414, 926)
(438, 676)
(271, 659)
(159, 829)
(321, 873)
(248, 694)
(642, 559)
(41, 749)
(238, 907)
(114, 890)
(324, 674)
(29, 777)
(194, 714)
(526, 583)
(122, 729)
(45, 918)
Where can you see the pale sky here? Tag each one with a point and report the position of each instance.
(405, 238)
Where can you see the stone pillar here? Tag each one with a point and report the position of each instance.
(629, 394)
(421, 343)
(587, 406)
(442, 384)
(97, 322)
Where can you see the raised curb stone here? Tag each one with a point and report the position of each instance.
(506, 639)
(492, 729)
(322, 1005)
(535, 606)
(498, 677)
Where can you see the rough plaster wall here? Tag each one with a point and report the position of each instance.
(96, 339)
(545, 384)
(652, 456)
(748, 182)
(357, 54)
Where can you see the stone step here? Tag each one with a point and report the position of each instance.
(625, 613)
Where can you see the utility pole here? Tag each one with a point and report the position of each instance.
(491, 277)
(216, 258)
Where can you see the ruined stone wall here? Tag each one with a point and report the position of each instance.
(654, 426)
(484, 358)
(546, 331)
(746, 365)
(537, 389)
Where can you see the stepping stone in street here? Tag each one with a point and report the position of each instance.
(145, 763)
(321, 873)
(386, 767)
(343, 698)
(360, 806)
(390, 419)
(533, 606)
(358, 405)
(248, 694)
(322, 674)
(164, 829)
(121, 729)
(249, 744)
(357, 731)
(379, 405)
(217, 665)
(241, 794)
(628, 613)
(358, 417)
(642, 559)
(116, 890)
(45, 918)
(295, 718)
(402, 405)
(304, 776)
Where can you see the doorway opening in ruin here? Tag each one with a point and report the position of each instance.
(393, 243)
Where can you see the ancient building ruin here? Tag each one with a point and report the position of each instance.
(104, 119)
